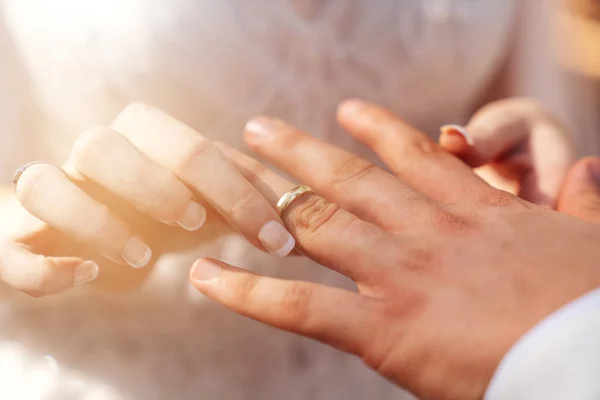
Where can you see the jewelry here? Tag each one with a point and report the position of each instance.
(19, 171)
(287, 198)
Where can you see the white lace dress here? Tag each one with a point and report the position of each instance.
(213, 63)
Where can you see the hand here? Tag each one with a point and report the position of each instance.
(450, 271)
(518, 146)
(142, 187)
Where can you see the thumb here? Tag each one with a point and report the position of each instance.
(580, 194)
(38, 275)
(493, 132)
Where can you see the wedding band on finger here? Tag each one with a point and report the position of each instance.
(19, 171)
(288, 198)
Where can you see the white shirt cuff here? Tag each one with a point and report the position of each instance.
(558, 359)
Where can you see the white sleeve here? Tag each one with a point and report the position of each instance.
(558, 359)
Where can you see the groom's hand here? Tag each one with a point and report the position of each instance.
(450, 271)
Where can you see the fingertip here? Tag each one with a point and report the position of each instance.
(50, 275)
(580, 193)
(350, 107)
(261, 128)
(229, 151)
(454, 144)
(136, 252)
(205, 270)
(458, 141)
(586, 170)
(85, 272)
(224, 147)
(592, 165)
(458, 131)
(193, 218)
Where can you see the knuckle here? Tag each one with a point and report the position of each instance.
(256, 172)
(352, 169)
(423, 147)
(418, 259)
(133, 118)
(312, 214)
(500, 199)
(447, 222)
(243, 289)
(39, 284)
(132, 111)
(359, 228)
(89, 143)
(201, 149)
(296, 300)
(168, 198)
(245, 199)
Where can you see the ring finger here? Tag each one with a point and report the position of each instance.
(325, 232)
(342, 177)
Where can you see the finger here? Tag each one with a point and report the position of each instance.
(328, 234)
(456, 140)
(47, 193)
(343, 178)
(39, 276)
(500, 128)
(410, 154)
(110, 160)
(580, 195)
(208, 173)
(330, 315)
(523, 143)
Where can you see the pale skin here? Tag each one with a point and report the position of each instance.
(117, 177)
(425, 245)
(129, 193)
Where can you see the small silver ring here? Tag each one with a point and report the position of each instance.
(19, 171)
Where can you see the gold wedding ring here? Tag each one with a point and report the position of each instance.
(19, 171)
(287, 199)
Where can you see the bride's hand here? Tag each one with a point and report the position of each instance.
(450, 271)
(128, 194)
(516, 145)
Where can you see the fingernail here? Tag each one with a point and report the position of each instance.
(193, 217)
(85, 272)
(352, 106)
(136, 253)
(458, 130)
(205, 270)
(260, 128)
(594, 171)
(276, 239)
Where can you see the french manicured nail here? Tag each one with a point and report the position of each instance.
(458, 130)
(205, 270)
(594, 171)
(276, 239)
(261, 128)
(85, 272)
(193, 217)
(136, 253)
